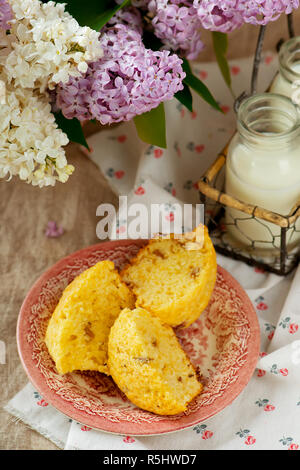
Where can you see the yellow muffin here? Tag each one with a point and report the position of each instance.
(147, 363)
(78, 330)
(173, 278)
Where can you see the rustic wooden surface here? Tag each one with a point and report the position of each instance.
(26, 252)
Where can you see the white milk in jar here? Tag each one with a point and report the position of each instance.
(263, 169)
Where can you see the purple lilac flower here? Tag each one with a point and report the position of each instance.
(5, 14)
(130, 16)
(218, 15)
(176, 23)
(128, 80)
(227, 15)
(262, 12)
(53, 230)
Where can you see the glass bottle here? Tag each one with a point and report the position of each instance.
(289, 69)
(263, 169)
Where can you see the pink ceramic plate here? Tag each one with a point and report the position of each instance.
(223, 343)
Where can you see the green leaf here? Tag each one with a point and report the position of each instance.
(220, 43)
(106, 16)
(72, 128)
(198, 86)
(151, 126)
(93, 13)
(186, 66)
(87, 13)
(185, 97)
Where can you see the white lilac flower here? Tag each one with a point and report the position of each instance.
(6, 41)
(2, 92)
(30, 142)
(49, 45)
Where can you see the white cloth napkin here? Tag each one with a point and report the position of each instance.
(267, 412)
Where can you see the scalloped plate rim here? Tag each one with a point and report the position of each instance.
(104, 425)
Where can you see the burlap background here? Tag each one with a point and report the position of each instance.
(26, 252)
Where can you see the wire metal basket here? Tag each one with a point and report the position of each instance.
(276, 254)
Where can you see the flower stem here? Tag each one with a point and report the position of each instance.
(290, 23)
(256, 63)
(257, 59)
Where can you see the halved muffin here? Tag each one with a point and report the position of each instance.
(148, 364)
(77, 333)
(173, 278)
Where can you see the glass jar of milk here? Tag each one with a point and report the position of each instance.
(263, 169)
(289, 68)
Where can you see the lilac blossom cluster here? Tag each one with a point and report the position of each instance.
(128, 80)
(5, 14)
(130, 17)
(227, 15)
(177, 25)
(177, 22)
